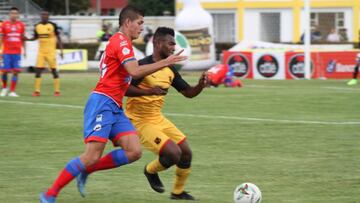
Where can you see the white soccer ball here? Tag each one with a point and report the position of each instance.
(247, 193)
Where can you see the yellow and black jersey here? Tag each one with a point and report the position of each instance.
(149, 107)
(47, 34)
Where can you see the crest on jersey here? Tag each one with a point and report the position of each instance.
(125, 51)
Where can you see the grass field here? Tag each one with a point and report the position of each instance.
(297, 140)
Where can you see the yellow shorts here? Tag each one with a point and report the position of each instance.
(155, 134)
(50, 58)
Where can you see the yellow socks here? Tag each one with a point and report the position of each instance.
(154, 167)
(180, 179)
(57, 84)
(37, 84)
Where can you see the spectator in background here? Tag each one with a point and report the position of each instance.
(333, 36)
(104, 34)
(343, 34)
(148, 35)
(315, 35)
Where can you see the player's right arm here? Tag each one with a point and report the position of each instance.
(134, 91)
(137, 71)
(35, 36)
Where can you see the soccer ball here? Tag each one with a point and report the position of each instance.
(247, 193)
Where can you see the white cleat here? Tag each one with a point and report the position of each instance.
(4, 92)
(13, 94)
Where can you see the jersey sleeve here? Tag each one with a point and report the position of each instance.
(36, 34)
(125, 52)
(56, 28)
(178, 82)
(144, 61)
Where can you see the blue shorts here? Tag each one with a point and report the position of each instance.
(104, 120)
(11, 62)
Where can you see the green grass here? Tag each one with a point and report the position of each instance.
(259, 134)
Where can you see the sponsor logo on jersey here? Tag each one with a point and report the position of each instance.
(97, 127)
(267, 66)
(123, 43)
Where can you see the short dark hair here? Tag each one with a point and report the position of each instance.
(162, 32)
(130, 12)
(13, 8)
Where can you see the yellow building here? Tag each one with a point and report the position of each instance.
(281, 20)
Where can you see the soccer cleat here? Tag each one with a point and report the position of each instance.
(13, 94)
(4, 92)
(352, 82)
(57, 94)
(81, 182)
(36, 94)
(46, 199)
(154, 181)
(182, 196)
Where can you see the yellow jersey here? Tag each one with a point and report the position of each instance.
(47, 34)
(149, 107)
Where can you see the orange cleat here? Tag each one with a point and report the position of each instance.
(36, 94)
(57, 94)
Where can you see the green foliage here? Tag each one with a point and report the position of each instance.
(57, 7)
(155, 7)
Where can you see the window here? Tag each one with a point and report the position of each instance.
(224, 27)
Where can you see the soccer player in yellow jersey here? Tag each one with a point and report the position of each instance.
(47, 34)
(157, 133)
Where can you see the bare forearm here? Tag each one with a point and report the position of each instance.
(193, 91)
(136, 92)
(145, 70)
(59, 42)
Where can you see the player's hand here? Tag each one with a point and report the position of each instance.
(175, 58)
(157, 91)
(204, 80)
(1, 56)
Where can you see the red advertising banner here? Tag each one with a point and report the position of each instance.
(336, 64)
(241, 62)
(324, 64)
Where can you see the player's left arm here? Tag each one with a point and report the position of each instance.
(58, 40)
(135, 91)
(185, 89)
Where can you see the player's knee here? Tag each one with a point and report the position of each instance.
(90, 160)
(55, 73)
(134, 154)
(175, 154)
(172, 151)
(186, 156)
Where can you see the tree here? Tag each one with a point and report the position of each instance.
(57, 7)
(155, 7)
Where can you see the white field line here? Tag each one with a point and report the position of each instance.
(203, 116)
(341, 88)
